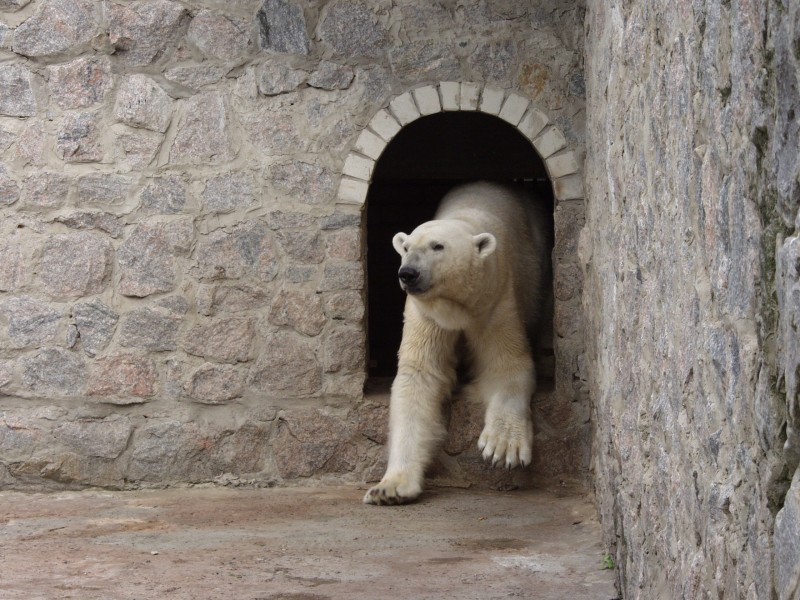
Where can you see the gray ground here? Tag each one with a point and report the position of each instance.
(299, 544)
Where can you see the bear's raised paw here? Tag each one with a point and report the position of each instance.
(509, 438)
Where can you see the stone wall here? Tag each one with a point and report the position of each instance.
(182, 277)
(691, 293)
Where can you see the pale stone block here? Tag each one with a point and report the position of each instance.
(370, 144)
(450, 91)
(428, 100)
(358, 167)
(513, 108)
(352, 191)
(532, 123)
(549, 142)
(492, 100)
(569, 187)
(404, 109)
(562, 164)
(469, 96)
(384, 125)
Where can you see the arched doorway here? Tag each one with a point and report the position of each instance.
(448, 133)
(421, 163)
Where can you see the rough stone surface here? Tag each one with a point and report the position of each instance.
(287, 366)
(230, 192)
(300, 311)
(96, 322)
(16, 93)
(136, 150)
(203, 136)
(216, 384)
(9, 190)
(311, 442)
(98, 438)
(344, 350)
(229, 299)
(11, 267)
(44, 190)
(141, 102)
(351, 28)
(81, 82)
(79, 138)
(247, 251)
(104, 190)
(54, 372)
(282, 27)
(150, 329)
(223, 340)
(140, 32)
(147, 260)
(218, 37)
(331, 76)
(418, 61)
(302, 246)
(31, 323)
(13, 5)
(687, 205)
(307, 183)
(75, 264)
(101, 221)
(276, 78)
(123, 376)
(59, 26)
(164, 195)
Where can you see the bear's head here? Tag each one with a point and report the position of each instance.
(442, 258)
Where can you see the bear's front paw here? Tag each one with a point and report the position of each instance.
(393, 489)
(510, 437)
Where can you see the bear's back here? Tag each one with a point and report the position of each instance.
(521, 226)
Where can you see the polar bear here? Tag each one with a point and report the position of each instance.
(481, 270)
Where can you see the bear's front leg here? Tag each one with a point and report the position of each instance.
(425, 376)
(506, 381)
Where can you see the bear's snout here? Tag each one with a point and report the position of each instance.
(408, 275)
(412, 280)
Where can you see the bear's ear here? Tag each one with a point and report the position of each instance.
(397, 241)
(485, 244)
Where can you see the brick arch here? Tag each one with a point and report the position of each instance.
(562, 162)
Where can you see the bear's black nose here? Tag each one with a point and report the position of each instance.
(408, 275)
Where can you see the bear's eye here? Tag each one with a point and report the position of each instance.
(437, 246)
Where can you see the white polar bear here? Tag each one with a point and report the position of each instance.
(481, 268)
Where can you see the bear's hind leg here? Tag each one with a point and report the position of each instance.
(425, 377)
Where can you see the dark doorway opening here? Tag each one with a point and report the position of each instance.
(424, 160)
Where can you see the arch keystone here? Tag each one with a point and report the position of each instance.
(450, 92)
(427, 100)
(470, 92)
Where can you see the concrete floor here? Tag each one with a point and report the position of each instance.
(299, 544)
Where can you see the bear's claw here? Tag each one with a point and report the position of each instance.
(506, 439)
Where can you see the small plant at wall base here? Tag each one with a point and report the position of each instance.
(607, 562)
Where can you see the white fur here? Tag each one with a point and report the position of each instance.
(483, 269)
